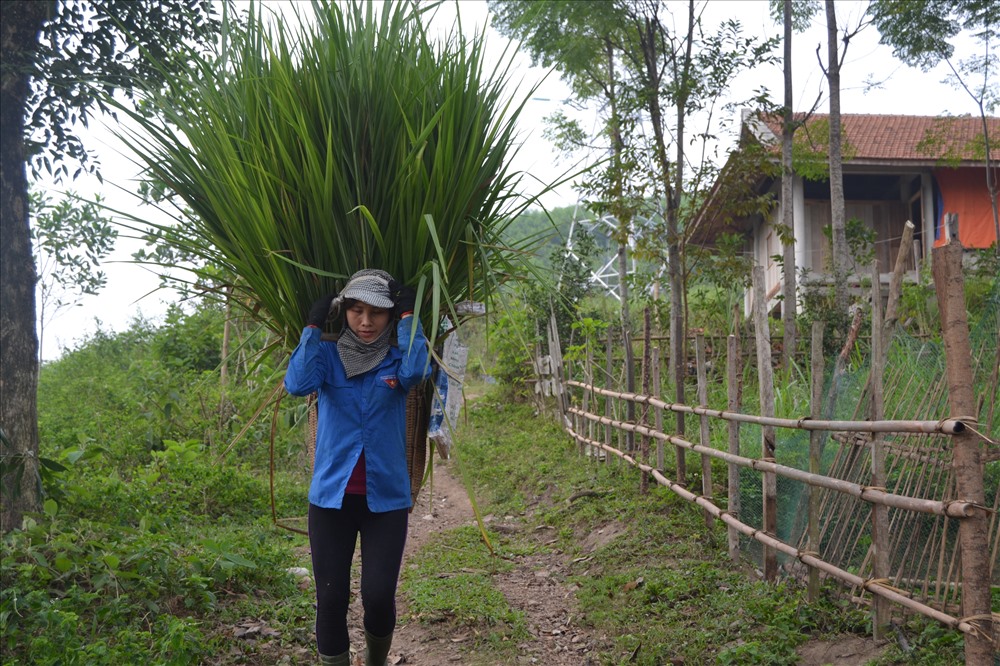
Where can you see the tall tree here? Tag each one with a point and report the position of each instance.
(792, 17)
(581, 39)
(60, 60)
(659, 53)
(923, 35)
(71, 238)
(838, 222)
(667, 79)
(789, 292)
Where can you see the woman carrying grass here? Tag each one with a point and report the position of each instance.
(360, 483)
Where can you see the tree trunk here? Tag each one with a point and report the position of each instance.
(624, 218)
(789, 289)
(19, 485)
(839, 224)
(670, 179)
(678, 336)
(967, 463)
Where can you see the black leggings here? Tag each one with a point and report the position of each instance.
(333, 534)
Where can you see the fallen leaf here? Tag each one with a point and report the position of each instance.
(632, 584)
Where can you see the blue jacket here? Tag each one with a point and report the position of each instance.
(364, 413)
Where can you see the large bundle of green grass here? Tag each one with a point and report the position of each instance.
(356, 140)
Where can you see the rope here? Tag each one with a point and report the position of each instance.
(884, 583)
(991, 442)
(973, 620)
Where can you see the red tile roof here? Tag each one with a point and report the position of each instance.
(890, 138)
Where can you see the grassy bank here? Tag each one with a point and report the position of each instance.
(662, 588)
(149, 549)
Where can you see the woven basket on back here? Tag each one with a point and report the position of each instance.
(418, 411)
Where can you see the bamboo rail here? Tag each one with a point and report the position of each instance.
(951, 509)
(949, 426)
(874, 586)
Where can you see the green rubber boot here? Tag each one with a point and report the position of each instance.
(377, 653)
(336, 660)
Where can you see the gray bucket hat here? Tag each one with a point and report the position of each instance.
(369, 286)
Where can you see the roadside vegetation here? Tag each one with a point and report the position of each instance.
(157, 537)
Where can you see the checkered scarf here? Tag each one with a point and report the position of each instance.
(359, 357)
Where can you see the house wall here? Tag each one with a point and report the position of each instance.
(887, 218)
(963, 191)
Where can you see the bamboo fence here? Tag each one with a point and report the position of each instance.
(895, 505)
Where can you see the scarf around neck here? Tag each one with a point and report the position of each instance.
(358, 356)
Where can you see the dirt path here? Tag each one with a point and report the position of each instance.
(536, 587)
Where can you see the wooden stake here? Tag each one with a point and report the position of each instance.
(815, 447)
(895, 286)
(588, 395)
(732, 387)
(644, 416)
(608, 384)
(880, 514)
(706, 462)
(946, 263)
(658, 410)
(765, 380)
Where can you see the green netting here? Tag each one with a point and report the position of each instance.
(923, 548)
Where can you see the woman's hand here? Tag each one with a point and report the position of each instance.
(320, 311)
(404, 298)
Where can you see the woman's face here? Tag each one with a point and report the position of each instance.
(367, 321)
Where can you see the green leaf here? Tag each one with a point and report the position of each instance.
(51, 508)
(239, 560)
(63, 563)
(85, 454)
(48, 463)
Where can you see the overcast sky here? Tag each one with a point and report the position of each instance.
(902, 90)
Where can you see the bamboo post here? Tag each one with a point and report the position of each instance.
(555, 353)
(629, 383)
(880, 513)
(946, 264)
(607, 399)
(895, 286)
(659, 410)
(679, 452)
(732, 388)
(765, 380)
(815, 449)
(588, 378)
(537, 364)
(644, 418)
(706, 462)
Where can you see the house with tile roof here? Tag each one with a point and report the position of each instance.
(896, 168)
